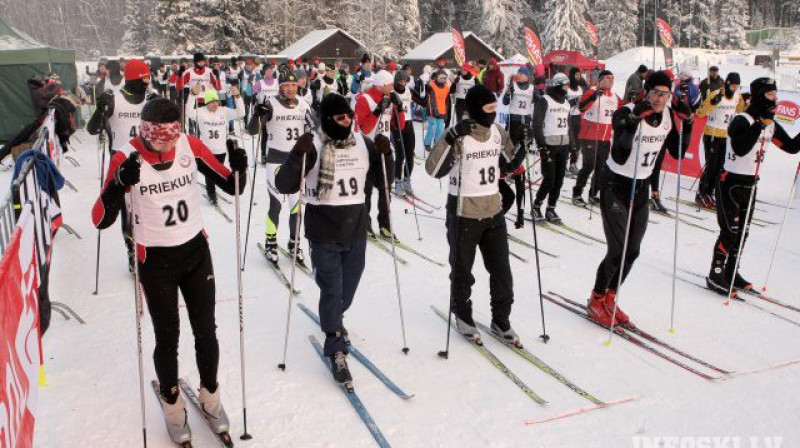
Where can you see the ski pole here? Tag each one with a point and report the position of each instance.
(594, 169)
(748, 214)
(638, 140)
(394, 251)
(245, 435)
(780, 231)
(407, 168)
(675, 245)
(102, 145)
(454, 249)
(252, 194)
(282, 365)
(544, 336)
(137, 293)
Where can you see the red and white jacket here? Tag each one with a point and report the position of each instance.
(596, 115)
(366, 121)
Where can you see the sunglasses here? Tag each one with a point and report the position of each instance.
(661, 94)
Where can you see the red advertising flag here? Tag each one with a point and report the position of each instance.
(19, 331)
(787, 112)
(534, 47)
(665, 31)
(459, 50)
(591, 28)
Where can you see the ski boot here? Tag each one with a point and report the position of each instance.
(301, 259)
(551, 216)
(597, 309)
(271, 248)
(594, 200)
(655, 203)
(212, 197)
(738, 281)
(176, 419)
(509, 336)
(536, 212)
(407, 186)
(213, 411)
(467, 328)
(371, 234)
(399, 188)
(620, 317)
(578, 201)
(388, 236)
(717, 281)
(573, 169)
(339, 368)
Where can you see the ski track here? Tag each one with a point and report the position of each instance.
(92, 393)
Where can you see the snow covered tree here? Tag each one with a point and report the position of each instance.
(565, 29)
(616, 25)
(502, 25)
(238, 32)
(138, 28)
(405, 26)
(173, 15)
(732, 25)
(698, 23)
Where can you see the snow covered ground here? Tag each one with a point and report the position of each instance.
(92, 393)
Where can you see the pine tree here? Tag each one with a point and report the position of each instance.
(407, 33)
(502, 25)
(616, 25)
(565, 29)
(137, 37)
(698, 24)
(732, 25)
(173, 15)
(238, 28)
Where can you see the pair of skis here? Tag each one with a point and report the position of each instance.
(637, 336)
(553, 228)
(384, 244)
(218, 208)
(349, 389)
(224, 438)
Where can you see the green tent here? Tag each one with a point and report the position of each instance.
(20, 58)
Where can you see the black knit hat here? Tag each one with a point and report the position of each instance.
(733, 78)
(658, 78)
(334, 104)
(160, 110)
(199, 57)
(761, 86)
(642, 69)
(603, 74)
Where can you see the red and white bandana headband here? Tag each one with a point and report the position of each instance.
(160, 132)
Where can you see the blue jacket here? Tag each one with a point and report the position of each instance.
(50, 179)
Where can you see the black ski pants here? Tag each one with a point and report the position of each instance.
(404, 150)
(574, 140)
(733, 199)
(714, 148)
(187, 268)
(615, 198)
(383, 206)
(554, 166)
(465, 236)
(211, 189)
(595, 154)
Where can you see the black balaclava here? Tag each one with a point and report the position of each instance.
(334, 104)
(467, 75)
(477, 97)
(136, 87)
(114, 72)
(732, 78)
(400, 76)
(760, 106)
(573, 83)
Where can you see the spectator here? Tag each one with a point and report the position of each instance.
(635, 85)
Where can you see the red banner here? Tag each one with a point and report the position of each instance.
(459, 50)
(534, 47)
(20, 349)
(591, 29)
(787, 112)
(691, 166)
(665, 31)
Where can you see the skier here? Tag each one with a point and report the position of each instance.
(712, 83)
(577, 85)
(266, 87)
(551, 131)
(641, 132)
(113, 81)
(483, 149)
(212, 125)
(362, 80)
(282, 120)
(404, 141)
(519, 98)
(303, 92)
(493, 77)
(335, 223)
(172, 248)
(597, 106)
(686, 92)
(634, 86)
(749, 136)
(438, 101)
(118, 115)
(463, 82)
(375, 113)
(192, 83)
(325, 85)
(720, 106)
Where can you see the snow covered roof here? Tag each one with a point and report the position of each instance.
(517, 59)
(311, 40)
(438, 44)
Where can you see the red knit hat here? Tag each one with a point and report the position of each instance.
(136, 69)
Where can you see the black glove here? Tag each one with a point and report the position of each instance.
(104, 100)
(683, 110)
(361, 77)
(643, 109)
(382, 144)
(396, 100)
(382, 105)
(596, 94)
(128, 171)
(264, 111)
(304, 145)
(544, 153)
(237, 156)
(716, 100)
(461, 129)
